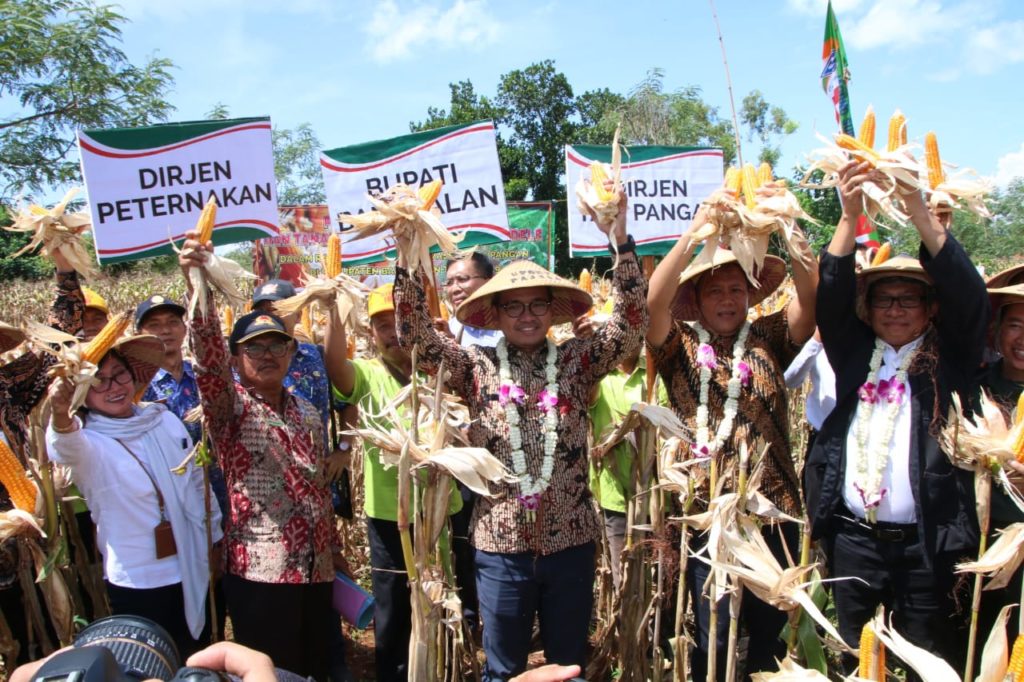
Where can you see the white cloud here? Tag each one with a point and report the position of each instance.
(818, 7)
(395, 33)
(990, 48)
(902, 24)
(1008, 167)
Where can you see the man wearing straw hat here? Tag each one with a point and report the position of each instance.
(724, 377)
(528, 399)
(892, 511)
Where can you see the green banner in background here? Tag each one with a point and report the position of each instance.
(529, 236)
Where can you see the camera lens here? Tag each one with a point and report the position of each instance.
(142, 648)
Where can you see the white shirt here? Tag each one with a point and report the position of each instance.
(897, 505)
(811, 362)
(474, 336)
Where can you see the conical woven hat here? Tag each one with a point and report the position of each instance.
(902, 266)
(10, 337)
(568, 301)
(1007, 277)
(1003, 296)
(684, 305)
(144, 353)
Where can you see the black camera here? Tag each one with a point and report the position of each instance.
(122, 649)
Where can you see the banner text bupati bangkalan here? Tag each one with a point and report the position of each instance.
(464, 158)
(665, 188)
(147, 186)
(298, 251)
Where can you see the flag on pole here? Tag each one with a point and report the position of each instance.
(835, 72)
(867, 235)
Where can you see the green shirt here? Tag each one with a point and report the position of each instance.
(374, 387)
(615, 396)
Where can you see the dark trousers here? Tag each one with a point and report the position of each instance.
(164, 606)
(895, 575)
(465, 569)
(762, 622)
(515, 588)
(615, 533)
(392, 613)
(288, 622)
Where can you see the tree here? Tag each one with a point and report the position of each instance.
(297, 166)
(62, 69)
(766, 123)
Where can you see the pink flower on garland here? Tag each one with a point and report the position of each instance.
(706, 356)
(872, 501)
(745, 373)
(867, 392)
(530, 502)
(892, 390)
(510, 392)
(546, 400)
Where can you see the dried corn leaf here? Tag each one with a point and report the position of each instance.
(55, 231)
(344, 292)
(70, 364)
(1002, 558)
(220, 274)
(473, 467)
(399, 211)
(995, 657)
(926, 664)
(789, 671)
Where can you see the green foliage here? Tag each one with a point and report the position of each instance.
(765, 123)
(821, 204)
(297, 166)
(62, 70)
(23, 267)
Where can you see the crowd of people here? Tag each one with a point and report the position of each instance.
(886, 346)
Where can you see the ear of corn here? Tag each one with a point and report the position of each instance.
(1018, 423)
(332, 266)
(750, 185)
(867, 128)
(733, 180)
(350, 348)
(102, 342)
(12, 475)
(428, 194)
(764, 174)
(854, 145)
(586, 280)
(882, 255)
(872, 655)
(598, 176)
(229, 320)
(204, 226)
(307, 322)
(1016, 667)
(897, 131)
(933, 161)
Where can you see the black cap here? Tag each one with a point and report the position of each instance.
(157, 302)
(273, 290)
(255, 324)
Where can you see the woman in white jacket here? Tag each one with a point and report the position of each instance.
(151, 522)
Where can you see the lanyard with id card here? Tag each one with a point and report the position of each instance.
(163, 534)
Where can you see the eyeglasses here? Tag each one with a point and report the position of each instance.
(461, 280)
(515, 309)
(907, 301)
(257, 351)
(120, 378)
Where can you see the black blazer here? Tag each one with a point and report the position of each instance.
(943, 494)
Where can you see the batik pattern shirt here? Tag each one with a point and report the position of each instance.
(179, 396)
(281, 525)
(566, 517)
(763, 410)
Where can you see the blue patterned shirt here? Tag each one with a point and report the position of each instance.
(178, 396)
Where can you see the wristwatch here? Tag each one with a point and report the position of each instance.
(628, 247)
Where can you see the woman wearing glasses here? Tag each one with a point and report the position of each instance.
(150, 522)
(534, 539)
(280, 537)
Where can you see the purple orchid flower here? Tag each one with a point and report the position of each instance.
(892, 390)
(510, 391)
(546, 400)
(868, 392)
(706, 356)
(530, 502)
(745, 373)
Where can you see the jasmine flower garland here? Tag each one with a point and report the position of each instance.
(871, 462)
(510, 395)
(741, 375)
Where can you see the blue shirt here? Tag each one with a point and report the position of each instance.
(178, 396)
(307, 377)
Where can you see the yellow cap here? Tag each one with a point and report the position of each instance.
(381, 300)
(94, 300)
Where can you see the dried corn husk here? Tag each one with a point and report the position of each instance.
(416, 228)
(1001, 560)
(898, 169)
(926, 664)
(603, 202)
(789, 671)
(746, 231)
(963, 189)
(71, 363)
(57, 231)
(346, 293)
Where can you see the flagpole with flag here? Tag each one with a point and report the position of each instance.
(835, 74)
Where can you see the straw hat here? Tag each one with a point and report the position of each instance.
(1006, 277)
(568, 301)
(1004, 296)
(903, 266)
(769, 277)
(143, 353)
(10, 337)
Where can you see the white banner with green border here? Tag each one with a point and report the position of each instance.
(463, 157)
(147, 186)
(665, 188)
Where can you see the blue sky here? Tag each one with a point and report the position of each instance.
(360, 71)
